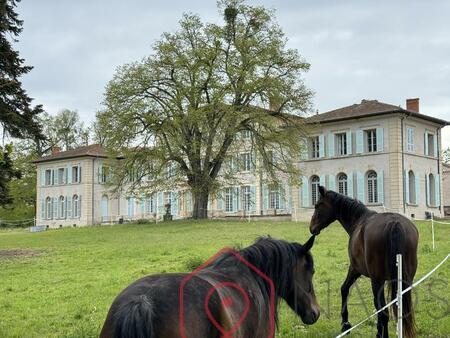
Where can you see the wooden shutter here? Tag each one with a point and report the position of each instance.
(331, 137)
(321, 146)
(332, 182)
(305, 192)
(350, 184)
(349, 142)
(406, 185)
(359, 141)
(42, 208)
(437, 190)
(425, 143)
(252, 198)
(417, 186)
(265, 197)
(69, 206)
(360, 187)
(380, 139)
(380, 186)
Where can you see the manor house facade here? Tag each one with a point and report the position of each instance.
(386, 156)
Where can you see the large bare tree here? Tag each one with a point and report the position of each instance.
(184, 106)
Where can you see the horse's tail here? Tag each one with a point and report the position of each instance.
(134, 319)
(396, 245)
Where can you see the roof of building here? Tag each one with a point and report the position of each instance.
(93, 150)
(365, 109)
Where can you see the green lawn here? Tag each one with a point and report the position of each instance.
(66, 288)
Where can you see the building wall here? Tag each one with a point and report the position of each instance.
(391, 163)
(446, 188)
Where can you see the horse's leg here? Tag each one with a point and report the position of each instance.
(352, 276)
(380, 302)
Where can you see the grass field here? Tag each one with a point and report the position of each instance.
(60, 283)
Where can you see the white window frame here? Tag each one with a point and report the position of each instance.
(76, 212)
(48, 177)
(246, 198)
(274, 196)
(61, 207)
(246, 161)
(341, 144)
(75, 172)
(372, 187)
(410, 139)
(412, 198)
(315, 147)
(48, 208)
(342, 180)
(371, 140)
(228, 192)
(315, 182)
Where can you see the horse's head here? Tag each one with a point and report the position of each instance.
(324, 212)
(301, 297)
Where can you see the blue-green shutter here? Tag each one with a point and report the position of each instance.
(99, 172)
(265, 197)
(321, 145)
(304, 149)
(174, 203)
(69, 174)
(332, 182)
(380, 186)
(69, 207)
(282, 193)
(350, 184)
(437, 190)
(289, 199)
(142, 205)
(349, 142)
(253, 198)
(42, 176)
(406, 186)
(427, 189)
(435, 146)
(330, 144)
(220, 204)
(79, 173)
(425, 143)
(305, 192)
(160, 207)
(236, 199)
(55, 177)
(322, 180)
(359, 141)
(417, 184)
(360, 187)
(42, 208)
(380, 139)
(55, 208)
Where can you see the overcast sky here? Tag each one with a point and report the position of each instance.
(384, 50)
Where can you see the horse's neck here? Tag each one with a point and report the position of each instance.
(351, 221)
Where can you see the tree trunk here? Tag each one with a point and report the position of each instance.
(200, 210)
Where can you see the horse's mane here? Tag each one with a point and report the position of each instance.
(275, 259)
(347, 207)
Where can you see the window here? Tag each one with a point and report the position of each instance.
(245, 134)
(61, 207)
(76, 205)
(246, 161)
(274, 196)
(431, 190)
(410, 139)
(104, 174)
(315, 182)
(171, 170)
(315, 147)
(247, 198)
(48, 177)
(342, 184)
(61, 176)
(430, 144)
(151, 204)
(48, 208)
(130, 207)
(411, 187)
(341, 140)
(228, 199)
(371, 140)
(76, 174)
(372, 191)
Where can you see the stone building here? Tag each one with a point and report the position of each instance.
(385, 156)
(446, 188)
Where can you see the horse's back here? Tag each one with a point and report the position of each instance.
(383, 231)
(154, 301)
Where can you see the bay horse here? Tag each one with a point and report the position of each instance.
(375, 240)
(150, 307)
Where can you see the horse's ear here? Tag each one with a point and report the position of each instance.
(308, 245)
(322, 190)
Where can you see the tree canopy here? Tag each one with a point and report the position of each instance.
(184, 106)
(17, 117)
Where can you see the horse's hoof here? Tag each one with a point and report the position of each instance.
(345, 326)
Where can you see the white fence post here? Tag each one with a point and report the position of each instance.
(399, 297)
(432, 230)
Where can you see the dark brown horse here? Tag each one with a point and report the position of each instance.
(226, 298)
(375, 240)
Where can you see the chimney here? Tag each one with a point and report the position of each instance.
(412, 105)
(55, 150)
